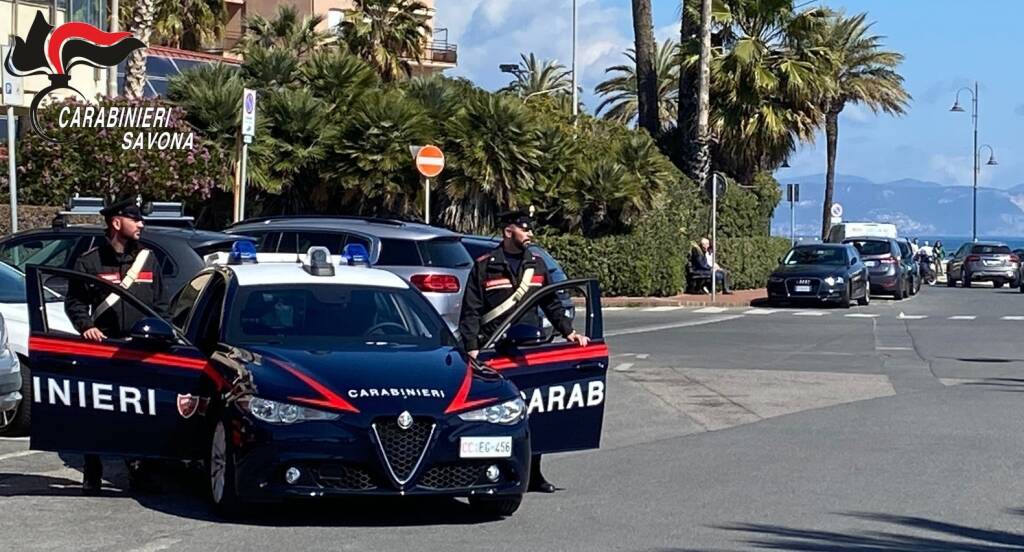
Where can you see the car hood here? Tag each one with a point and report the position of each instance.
(421, 380)
(813, 271)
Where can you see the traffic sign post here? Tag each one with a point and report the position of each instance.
(429, 162)
(718, 184)
(793, 195)
(248, 131)
(837, 213)
(13, 95)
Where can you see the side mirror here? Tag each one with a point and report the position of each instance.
(153, 331)
(780, 260)
(524, 335)
(853, 261)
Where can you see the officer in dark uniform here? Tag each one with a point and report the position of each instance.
(99, 315)
(498, 282)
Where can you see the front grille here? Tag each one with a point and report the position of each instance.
(403, 448)
(341, 476)
(452, 476)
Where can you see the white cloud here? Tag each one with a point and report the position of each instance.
(956, 170)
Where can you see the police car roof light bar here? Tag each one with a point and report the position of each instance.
(242, 252)
(355, 253)
(319, 262)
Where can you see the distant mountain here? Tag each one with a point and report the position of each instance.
(917, 207)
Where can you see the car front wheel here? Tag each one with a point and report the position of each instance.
(18, 420)
(967, 279)
(221, 471)
(496, 506)
(866, 299)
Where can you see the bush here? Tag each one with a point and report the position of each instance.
(751, 260)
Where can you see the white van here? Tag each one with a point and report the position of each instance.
(844, 230)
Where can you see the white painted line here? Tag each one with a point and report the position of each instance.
(911, 316)
(660, 327)
(623, 367)
(610, 309)
(712, 310)
(861, 315)
(661, 309)
(761, 311)
(2, 439)
(894, 348)
(642, 356)
(157, 545)
(809, 313)
(19, 454)
(1012, 318)
(962, 317)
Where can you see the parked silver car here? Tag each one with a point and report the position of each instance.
(431, 259)
(983, 262)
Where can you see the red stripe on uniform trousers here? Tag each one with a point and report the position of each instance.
(559, 355)
(112, 352)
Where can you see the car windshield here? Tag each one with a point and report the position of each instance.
(12, 287)
(816, 256)
(327, 316)
(990, 250)
(871, 247)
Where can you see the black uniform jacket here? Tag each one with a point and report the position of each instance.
(491, 281)
(107, 264)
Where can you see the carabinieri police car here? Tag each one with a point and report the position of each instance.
(318, 378)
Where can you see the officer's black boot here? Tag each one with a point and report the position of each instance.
(142, 476)
(537, 482)
(92, 475)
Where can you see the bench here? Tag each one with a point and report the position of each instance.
(697, 279)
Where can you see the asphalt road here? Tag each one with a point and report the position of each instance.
(893, 427)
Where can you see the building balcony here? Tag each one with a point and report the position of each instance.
(440, 52)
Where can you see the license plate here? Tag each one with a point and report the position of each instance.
(870, 263)
(485, 447)
(992, 263)
(802, 289)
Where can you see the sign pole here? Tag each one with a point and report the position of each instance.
(248, 131)
(792, 221)
(12, 173)
(244, 168)
(426, 209)
(714, 234)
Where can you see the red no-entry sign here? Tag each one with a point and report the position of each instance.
(430, 161)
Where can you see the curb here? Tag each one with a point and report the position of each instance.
(685, 301)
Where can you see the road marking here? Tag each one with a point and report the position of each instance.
(661, 309)
(911, 316)
(894, 348)
(157, 545)
(1012, 318)
(712, 310)
(642, 356)
(19, 454)
(962, 317)
(809, 313)
(660, 327)
(13, 439)
(761, 311)
(623, 367)
(861, 315)
(609, 309)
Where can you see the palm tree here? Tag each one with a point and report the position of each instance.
(286, 31)
(700, 161)
(619, 91)
(686, 112)
(535, 77)
(646, 76)
(141, 26)
(387, 34)
(186, 24)
(863, 73)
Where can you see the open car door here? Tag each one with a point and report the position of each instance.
(143, 394)
(562, 383)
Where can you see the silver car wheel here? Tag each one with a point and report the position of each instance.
(218, 463)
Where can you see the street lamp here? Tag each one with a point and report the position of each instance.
(539, 92)
(977, 151)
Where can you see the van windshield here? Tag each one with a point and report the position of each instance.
(871, 247)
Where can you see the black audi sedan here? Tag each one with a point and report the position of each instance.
(823, 273)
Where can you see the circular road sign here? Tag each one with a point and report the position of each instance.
(837, 210)
(250, 101)
(430, 161)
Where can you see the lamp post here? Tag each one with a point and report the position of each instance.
(977, 151)
(575, 90)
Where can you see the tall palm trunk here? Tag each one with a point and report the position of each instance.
(646, 75)
(832, 141)
(700, 163)
(686, 116)
(142, 28)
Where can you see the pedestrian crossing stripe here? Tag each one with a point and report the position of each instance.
(862, 315)
(711, 310)
(662, 309)
(962, 317)
(809, 313)
(1012, 318)
(761, 311)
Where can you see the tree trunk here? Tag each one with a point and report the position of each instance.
(646, 75)
(700, 164)
(832, 140)
(686, 118)
(142, 28)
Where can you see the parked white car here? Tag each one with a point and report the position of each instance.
(15, 379)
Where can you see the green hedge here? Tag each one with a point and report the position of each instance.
(648, 264)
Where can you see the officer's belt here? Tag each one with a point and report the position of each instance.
(507, 304)
(126, 282)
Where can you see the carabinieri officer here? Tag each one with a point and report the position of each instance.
(99, 315)
(498, 281)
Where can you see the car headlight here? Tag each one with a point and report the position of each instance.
(283, 413)
(506, 413)
(833, 280)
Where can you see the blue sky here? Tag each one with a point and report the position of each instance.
(947, 44)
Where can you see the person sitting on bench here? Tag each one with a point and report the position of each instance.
(702, 261)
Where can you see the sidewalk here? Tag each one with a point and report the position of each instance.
(737, 299)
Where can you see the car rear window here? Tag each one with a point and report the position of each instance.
(990, 250)
(399, 253)
(476, 248)
(445, 252)
(872, 247)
